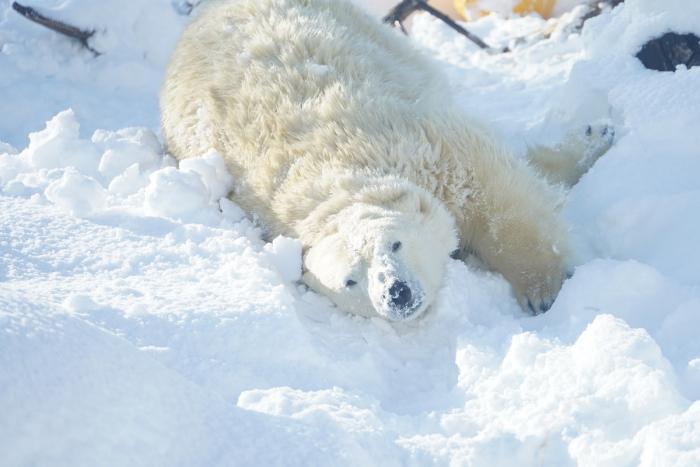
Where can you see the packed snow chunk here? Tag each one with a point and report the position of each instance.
(129, 181)
(285, 255)
(191, 193)
(77, 193)
(10, 167)
(59, 145)
(213, 173)
(627, 365)
(613, 379)
(123, 148)
(177, 194)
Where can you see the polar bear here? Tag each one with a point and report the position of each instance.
(339, 133)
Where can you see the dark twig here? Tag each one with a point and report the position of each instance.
(80, 35)
(403, 10)
(400, 12)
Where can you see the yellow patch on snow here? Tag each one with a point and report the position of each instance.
(470, 9)
(542, 7)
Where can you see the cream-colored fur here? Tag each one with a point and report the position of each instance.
(341, 134)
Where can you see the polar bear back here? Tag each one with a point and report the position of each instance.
(277, 85)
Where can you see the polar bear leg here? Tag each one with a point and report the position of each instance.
(518, 233)
(511, 222)
(566, 163)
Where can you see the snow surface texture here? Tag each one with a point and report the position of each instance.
(143, 321)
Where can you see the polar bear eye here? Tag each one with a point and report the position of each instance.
(350, 283)
(396, 246)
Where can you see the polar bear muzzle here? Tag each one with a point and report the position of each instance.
(395, 287)
(400, 296)
(402, 301)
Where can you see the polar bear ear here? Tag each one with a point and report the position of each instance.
(417, 201)
(404, 200)
(425, 206)
(387, 194)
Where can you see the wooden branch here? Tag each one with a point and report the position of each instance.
(73, 32)
(400, 12)
(403, 10)
(451, 23)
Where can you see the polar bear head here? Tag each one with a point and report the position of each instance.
(384, 254)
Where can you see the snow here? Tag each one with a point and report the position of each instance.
(145, 321)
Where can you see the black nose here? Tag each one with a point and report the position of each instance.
(400, 295)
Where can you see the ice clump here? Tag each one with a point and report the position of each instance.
(59, 145)
(124, 148)
(285, 255)
(77, 193)
(190, 192)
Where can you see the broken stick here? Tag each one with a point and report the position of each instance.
(403, 10)
(73, 32)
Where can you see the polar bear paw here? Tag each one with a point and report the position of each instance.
(536, 272)
(565, 163)
(595, 140)
(537, 295)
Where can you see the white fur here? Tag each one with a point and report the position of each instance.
(565, 163)
(339, 133)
